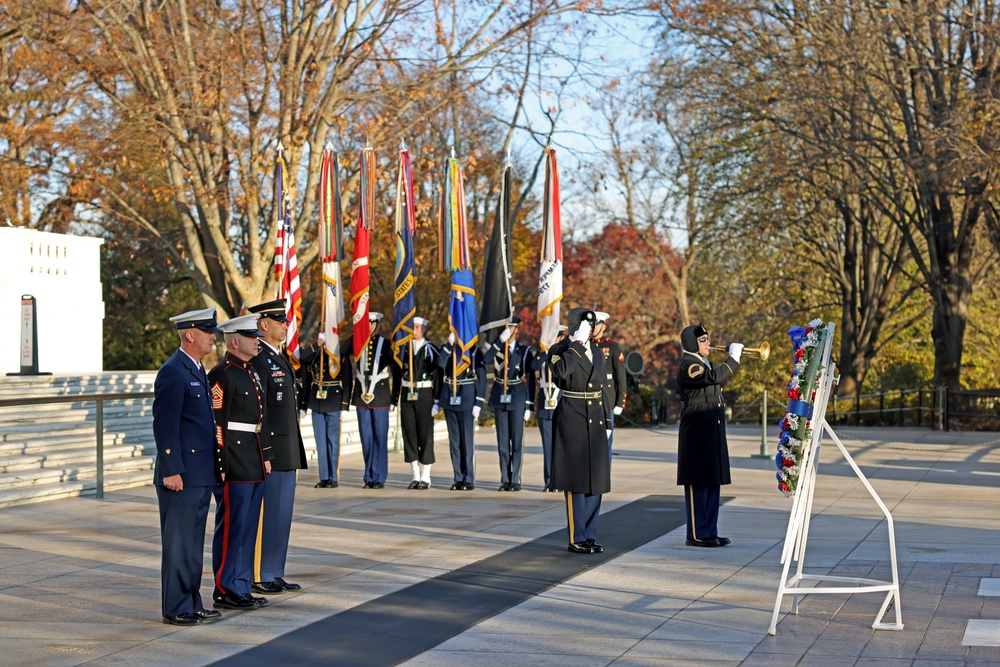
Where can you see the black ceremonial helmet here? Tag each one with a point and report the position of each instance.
(578, 315)
(690, 336)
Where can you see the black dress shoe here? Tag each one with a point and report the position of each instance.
(324, 484)
(457, 486)
(230, 601)
(580, 548)
(332, 484)
(424, 485)
(182, 619)
(513, 486)
(209, 614)
(378, 485)
(254, 601)
(415, 484)
(710, 542)
(504, 487)
(723, 541)
(368, 485)
(468, 487)
(598, 548)
(286, 585)
(270, 587)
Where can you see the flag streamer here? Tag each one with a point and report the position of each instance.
(286, 268)
(453, 244)
(404, 303)
(550, 274)
(331, 248)
(360, 306)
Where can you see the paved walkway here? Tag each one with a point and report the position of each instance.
(79, 578)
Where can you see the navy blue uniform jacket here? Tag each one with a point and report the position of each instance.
(184, 424)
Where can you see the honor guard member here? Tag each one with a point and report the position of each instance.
(186, 466)
(372, 398)
(580, 465)
(324, 397)
(614, 362)
(702, 451)
(281, 432)
(419, 385)
(545, 405)
(244, 461)
(512, 398)
(462, 399)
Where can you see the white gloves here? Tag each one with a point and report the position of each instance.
(475, 411)
(302, 415)
(436, 409)
(617, 410)
(527, 416)
(582, 335)
(392, 408)
(735, 350)
(451, 338)
(505, 335)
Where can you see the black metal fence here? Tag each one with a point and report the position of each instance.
(938, 409)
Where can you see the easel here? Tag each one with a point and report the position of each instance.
(798, 523)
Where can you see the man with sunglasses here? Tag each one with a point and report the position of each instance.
(702, 451)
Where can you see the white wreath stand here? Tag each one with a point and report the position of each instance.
(798, 523)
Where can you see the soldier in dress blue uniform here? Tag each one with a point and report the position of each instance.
(324, 396)
(545, 404)
(186, 466)
(372, 399)
(281, 432)
(614, 363)
(462, 400)
(512, 400)
(244, 462)
(580, 465)
(702, 451)
(420, 382)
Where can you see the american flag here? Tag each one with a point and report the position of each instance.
(286, 266)
(550, 273)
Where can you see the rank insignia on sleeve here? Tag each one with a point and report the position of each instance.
(218, 434)
(555, 358)
(694, 370)
(216, 396)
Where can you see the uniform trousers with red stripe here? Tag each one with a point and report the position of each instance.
(582, 512)
(236, 519)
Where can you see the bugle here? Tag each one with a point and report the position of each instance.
(762, 352)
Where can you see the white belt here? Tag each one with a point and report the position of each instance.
(509, 381)
(422, 384)
(241, 426)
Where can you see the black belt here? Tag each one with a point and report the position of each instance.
(717, 403)
(590, 395)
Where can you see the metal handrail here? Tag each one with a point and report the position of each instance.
(99, 399)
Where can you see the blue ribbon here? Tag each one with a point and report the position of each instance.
(800, 408)
(797, 334)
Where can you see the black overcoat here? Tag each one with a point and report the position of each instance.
(702, 451)
(580, 461)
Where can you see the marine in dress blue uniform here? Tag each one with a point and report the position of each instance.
(419, 381)
(280, 431)
(512, 400)
(462, 399)
(325, 398)
(702, 451)
(372, 399)
(244, 461)
(186, 466)
(614, 364)
(545, 408)
(580, 465)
